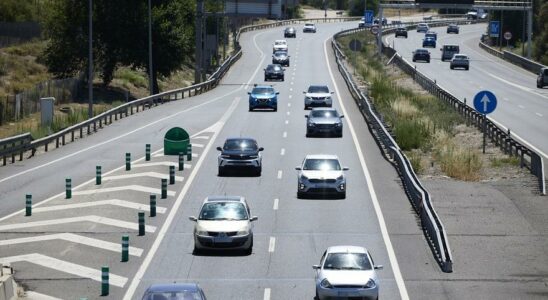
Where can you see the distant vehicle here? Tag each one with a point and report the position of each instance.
(421, 54)
(263, 96)
(431, 34)
(377, 21)
(542, 79)
(309, 27)
(401, 31)
(476, 14)
(274, 71)
(322, 175)
(240, 153)
(422, 27)
(447, 51)
(460, 61)
(429, 42)
(174, 291)
(317, 95)
(290, 32)
(322, 121)
(280, 58)
(224, 222)
(361, 23)
(348, 272)
(453, 28)
(279, 45)
(427, 18)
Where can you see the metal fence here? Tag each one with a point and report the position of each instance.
(18, 32)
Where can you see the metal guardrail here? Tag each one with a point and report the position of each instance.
(518, 60)
(419, 196)
(13, 146)
(91, 126)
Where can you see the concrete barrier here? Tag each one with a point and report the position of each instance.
(8, 287)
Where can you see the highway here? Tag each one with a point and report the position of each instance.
(522, 107)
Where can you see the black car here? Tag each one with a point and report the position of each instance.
(401, 31)
(421, 54)
(377, 21)
(322, 121)
(290, 32)
(281, 58)
(453, 28)
(174, 291)
(542, 78)
(240, 153)
(274, 71)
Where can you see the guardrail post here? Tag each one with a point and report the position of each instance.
(189, 152)
(104, 281)
(28, 205)
(141, 216)
(171, 174)
(181, 161)
(153, 205)
(125, 248)
(164, 188)
(68, 188)
(97, 175)
(147, 152)
(128, 161)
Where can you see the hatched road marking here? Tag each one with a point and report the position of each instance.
(137, 188)
(145, 174)
(117, 202)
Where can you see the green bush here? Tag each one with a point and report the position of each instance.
(131, 76)
(410, 134)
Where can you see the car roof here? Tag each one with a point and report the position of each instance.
(241, 138)
(263, 86)
(345, 249)
(224, 199)
(172, 287)
(324, 108)
(321, 156)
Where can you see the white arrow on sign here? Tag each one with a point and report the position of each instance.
(485, 100)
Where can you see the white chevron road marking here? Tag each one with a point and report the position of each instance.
(136, 188)
(64, 266)
(91, 218)
(74, 238)
(160, 163)
(117, 202)
(145, 174)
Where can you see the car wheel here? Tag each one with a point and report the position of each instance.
(317, 297)
(265, 79)
(196, 251)
(250, 108)
(258, 171)
(428, 61)
(467, 68)
(414, 60)
(451, 67)
(276, 108)
(283, 78)
(305, 107)
(340, 134)
(539, 86)
(342, 195)
(300, 195)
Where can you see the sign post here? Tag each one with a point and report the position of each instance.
(485, 103)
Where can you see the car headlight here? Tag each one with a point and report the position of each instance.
(253, 156)
(338, 124)
(328, 98)
(243, 232)
(310, 124)
(325, 284)
(370, 284)
(307, 98)
(200, 232)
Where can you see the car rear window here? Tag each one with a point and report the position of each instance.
(179, 295)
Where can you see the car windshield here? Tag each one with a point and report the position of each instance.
(263, 91)
(243, 144)
(421, 51)
(179, 295)
(318, 89)
(324, 113)
(279, 43)
(218, 211)
(274, 68)
(450, 48)
(460, 57)
(546, 72)
(347, 261)
(320, 164)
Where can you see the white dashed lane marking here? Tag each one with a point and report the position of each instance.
(280, 174)
(272, 244)
(266, 294)
(521, 106)
(286, 122)
(285, 134)
(282, 152)
(275, 206)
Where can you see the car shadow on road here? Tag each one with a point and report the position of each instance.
(221, 253)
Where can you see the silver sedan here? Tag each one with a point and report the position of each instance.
(347, 272)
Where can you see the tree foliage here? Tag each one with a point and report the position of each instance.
(17, 10)
(540, 52)
(120, 36)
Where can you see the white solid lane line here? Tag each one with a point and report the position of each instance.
(276, 203)
(272, 244)
(382, 224)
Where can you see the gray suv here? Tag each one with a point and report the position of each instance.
(240, 153)
(322, 121)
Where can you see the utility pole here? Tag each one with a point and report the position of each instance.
(90, 60)
(199, 41)
(150, 69)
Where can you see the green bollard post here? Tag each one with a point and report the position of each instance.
(98, 175)
(147, 152)
(164, 188)
(125, 248)
(68, 188)
(28, 205)
(189, 152)
(153, 205)
(104, 281)
(181, 161)
(128, 161)
(171, 174)
(141, 223)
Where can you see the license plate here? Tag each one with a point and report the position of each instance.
(223, 239)
(347, 294)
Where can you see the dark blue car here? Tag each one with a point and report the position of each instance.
(182, 291)
(429, 42)
(263, 96)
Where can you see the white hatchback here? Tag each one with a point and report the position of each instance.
(279, 45)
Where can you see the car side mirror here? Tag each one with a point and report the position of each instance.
(219, 149)
(298, 168)
(342, 116)
(345, 169)
(306, 116)
(249, 93)
(193, 218)
(316, 267)
(261, 148)
(254, 218)
(379, 267)
(277, 93)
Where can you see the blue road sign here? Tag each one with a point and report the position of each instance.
(485, 102)
(494, 29)
(368, 17)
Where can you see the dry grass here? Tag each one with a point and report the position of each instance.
(457, 161)
(403, 108)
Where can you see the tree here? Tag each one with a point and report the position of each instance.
(120, 36)
(540, 52)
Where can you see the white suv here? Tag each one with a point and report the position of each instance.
(279, 45)
(317, 95)
(321, 174)
(309, 27)
(224, 222)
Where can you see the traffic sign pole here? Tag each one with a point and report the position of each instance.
(485, 103)
(484, 130)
